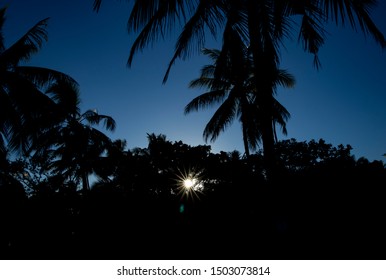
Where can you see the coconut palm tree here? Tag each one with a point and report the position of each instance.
(230, 81)
(72, 144)
(264, 24)
(24, 107)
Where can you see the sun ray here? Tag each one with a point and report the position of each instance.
(189, 183)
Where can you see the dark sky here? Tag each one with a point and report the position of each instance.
(344, 102)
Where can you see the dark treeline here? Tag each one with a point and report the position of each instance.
(324, 204)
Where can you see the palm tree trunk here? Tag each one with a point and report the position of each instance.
(264, 61)
(245, 140)
(274, 132)
(85, 183)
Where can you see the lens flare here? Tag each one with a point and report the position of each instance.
(189, 183)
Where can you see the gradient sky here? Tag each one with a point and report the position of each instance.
(343, 103)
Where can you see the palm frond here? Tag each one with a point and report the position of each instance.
(202, 82)
(285, 79)
(205, 100)
(166, 12)
(207, 15)
(357, 12)
(25, 95)
(2, 20)
(280, 116)
(281, 21)
(221, 120)
(210, 83)
(108, 122)
(208, 71)
(312, 36)
(3, 149)
(237, 18)
(43, 77)
(100, 140)
(6, 107)
(27, 45)
(48, 140)
(32, 110)
(66, 95)
(213, 54)
(97, 5)
(92, 117)
(156, 18)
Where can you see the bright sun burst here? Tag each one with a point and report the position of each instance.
(189, 183)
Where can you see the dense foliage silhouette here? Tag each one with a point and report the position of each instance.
(25, 108)
(324, 205)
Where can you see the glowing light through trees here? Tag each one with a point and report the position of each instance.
(189, 183)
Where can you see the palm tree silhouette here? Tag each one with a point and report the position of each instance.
(263, 24)
(230, 77)
(24, 107)
(72, 144)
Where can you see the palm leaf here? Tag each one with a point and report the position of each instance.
(214, 84)
(108, 122)
(312, 35)
(43, 77)
(97, 5)
(280, 116)
(285, 79)
(207, 15)
(165, 12)
(207, 71)
(362, 10)
(155, 18)
(27, 45)
(66, 96)
(221, 120)
(213, 54)
(92, 117)
(237, 18)
(32, 110)
(205, 100)
(2, 20)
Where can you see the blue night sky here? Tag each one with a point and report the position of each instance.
(343, 103)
